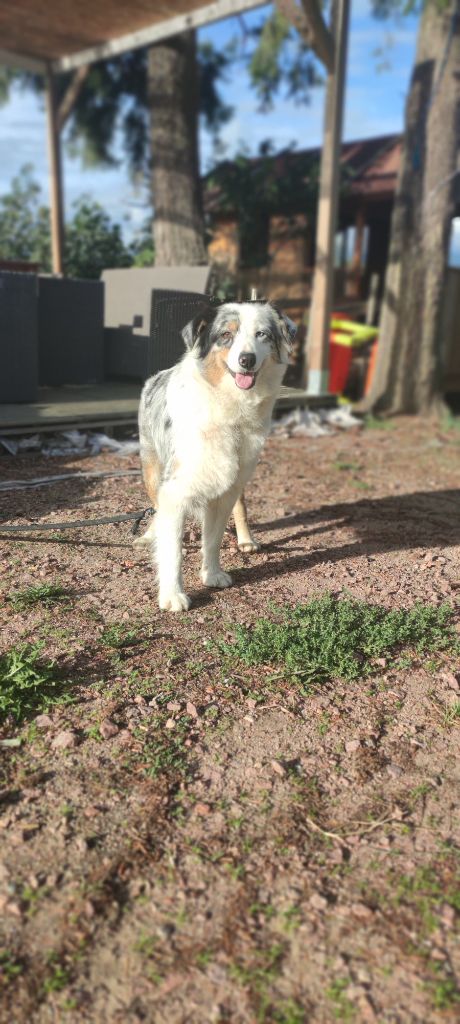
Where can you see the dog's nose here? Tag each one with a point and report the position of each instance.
(247, 360)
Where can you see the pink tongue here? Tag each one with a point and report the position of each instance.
(244, 380)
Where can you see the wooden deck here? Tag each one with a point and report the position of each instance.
(113, 404)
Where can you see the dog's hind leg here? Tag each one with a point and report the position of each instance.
(151, 474)
(215, 519)
(246, 542)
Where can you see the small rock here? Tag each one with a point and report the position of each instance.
(43, 722)
(139, 699)
(352, 746)
(64, 740)
(394, 770)
(278, 768)
(13, 908)
(170, 723)
(90, 811)
(447, 915)
(108, 729)
(202, 809)
(251, 703)
(191, 709)
(362, 912)
(173, 705)
(317, 901)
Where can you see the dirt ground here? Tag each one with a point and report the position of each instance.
(193, 841)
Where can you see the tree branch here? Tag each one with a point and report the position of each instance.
(309, 22)
(71, 95)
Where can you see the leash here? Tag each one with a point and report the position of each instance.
(81, 523)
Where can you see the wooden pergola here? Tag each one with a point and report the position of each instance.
(69, 35)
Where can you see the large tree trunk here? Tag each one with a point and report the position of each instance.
(408, 376)
(178, 228)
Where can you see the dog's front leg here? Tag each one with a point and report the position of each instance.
(169, 528)
(215, 519)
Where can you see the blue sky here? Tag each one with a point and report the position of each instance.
(374, 104)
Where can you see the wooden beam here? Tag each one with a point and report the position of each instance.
(317, 354)
(55, 174)
(307, 18)
(154, 33)
(22, 62)
(71, 95)
(323, 41)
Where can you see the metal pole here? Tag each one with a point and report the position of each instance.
(55, 172)
(317, 353)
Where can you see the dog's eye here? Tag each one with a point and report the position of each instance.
(226, 336)
(261, 334)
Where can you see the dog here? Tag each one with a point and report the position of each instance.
(202, 425)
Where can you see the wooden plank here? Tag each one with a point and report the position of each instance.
(317, 353)
(55, 175)
(157, 31)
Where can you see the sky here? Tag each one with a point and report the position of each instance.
(374, 105)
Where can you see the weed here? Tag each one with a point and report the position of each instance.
(204, 957)
(46, 594)
(328, 638)
(118, 637)
(289, 1012)
(452, 714)
(343, 1008)
(165, 753)
(346, 465)
(28, 683)
(9, 966)
(57, 979)
(146, 944)
(444, 990)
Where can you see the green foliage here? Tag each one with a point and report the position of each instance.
(24, 222)
(28, 683)
(92, 241)
(118, 636)
(44, 593)
(273, 64)
(327, 638)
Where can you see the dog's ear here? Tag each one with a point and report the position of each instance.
(288, 329)
(192, 331)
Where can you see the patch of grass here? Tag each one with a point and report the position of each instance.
(46, 594)
(28, 683)
(118, 636)
(258, 976)
(342, 1007)
(57, 980)
(164, 753)
(452, 714)
(10, 967)
(329, 638)
(289, 1012)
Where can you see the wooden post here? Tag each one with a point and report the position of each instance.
(55, 172)
(317, 352)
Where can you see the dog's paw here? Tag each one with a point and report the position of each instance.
(249, 546)
(216, 579)
(142, 542)
(174, 602)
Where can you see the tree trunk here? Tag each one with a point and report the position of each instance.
(178, 228)
(408, 377)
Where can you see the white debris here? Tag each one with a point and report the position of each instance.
(69, 442)
(321, 423)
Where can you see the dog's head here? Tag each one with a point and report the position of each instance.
(242, 340)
